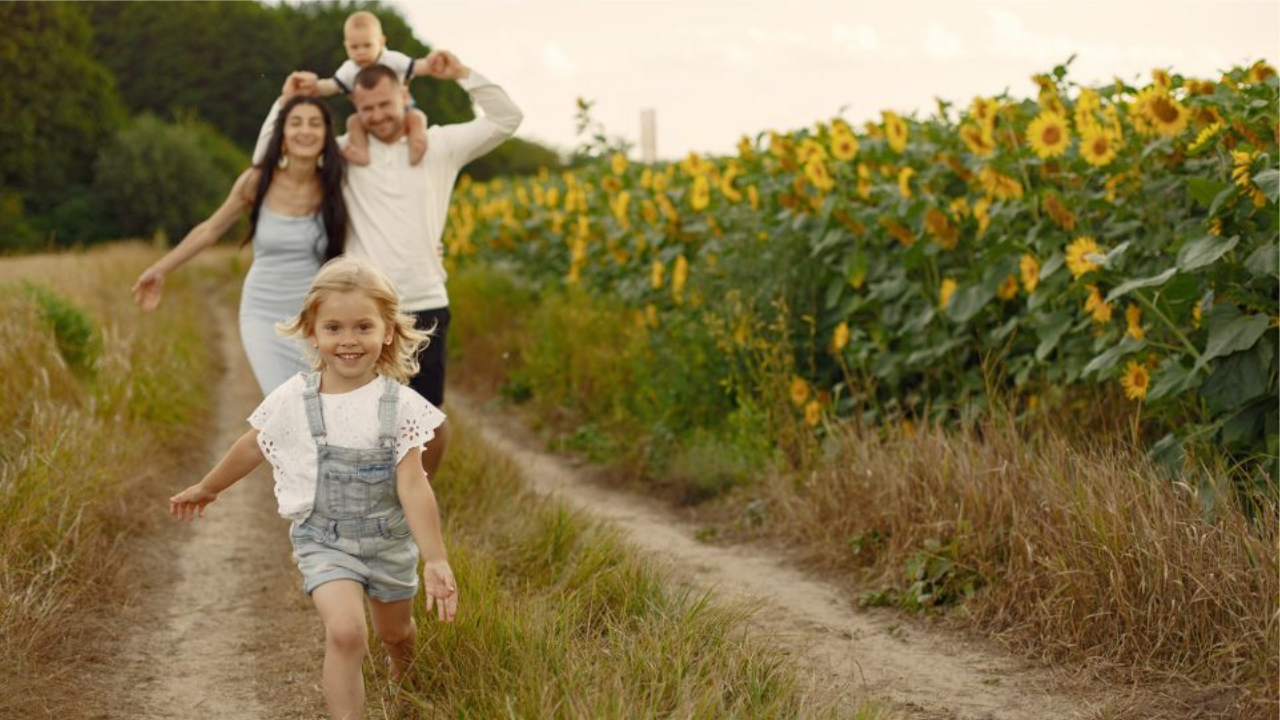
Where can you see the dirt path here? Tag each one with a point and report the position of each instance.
(923, 673)
(220, 628)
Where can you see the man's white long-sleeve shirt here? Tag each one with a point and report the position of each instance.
(398, 211)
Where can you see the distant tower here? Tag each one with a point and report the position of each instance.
(648, 137)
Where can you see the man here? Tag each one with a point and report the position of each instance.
(398, 210)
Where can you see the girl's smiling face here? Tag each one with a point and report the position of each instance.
(349, 334)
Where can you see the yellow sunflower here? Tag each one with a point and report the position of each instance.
(1048, 135)
(844, 146)
(1008, 289)
(1029, 269)
(812, 413)
(1165, 115)
(700, 196)
(840, 337)
(898, 231)
(816, 171)
(1133, 319)
(799, 390)
(1259, 73)
(1207, 133)
(1077, 255)
(679, 275)
(944, 233)
(904, 181)
(978, 140)
(1059, 212)
(895, 130)
(657, 271)
(1097, 307)
(726, 185)
(1098, 146)
(1135, 380)
(945, 291)
(998, 185)
(618, 164)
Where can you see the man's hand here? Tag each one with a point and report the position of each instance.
(299, 83)
(444, 65)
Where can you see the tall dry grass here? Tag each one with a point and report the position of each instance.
(561, 619)
(1079, 554)
(80, 448)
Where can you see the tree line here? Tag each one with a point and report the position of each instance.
(127, 118)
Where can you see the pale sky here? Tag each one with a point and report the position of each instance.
(715, 70)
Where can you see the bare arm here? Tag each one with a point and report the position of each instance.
(326, 87)
(420, 509)
(240, 460)
(147, 290)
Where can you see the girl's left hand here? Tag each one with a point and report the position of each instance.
(441, 589)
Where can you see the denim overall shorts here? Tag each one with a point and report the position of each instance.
(357, 529)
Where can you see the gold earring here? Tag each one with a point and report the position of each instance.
(320, 161)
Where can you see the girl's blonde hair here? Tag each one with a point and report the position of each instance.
(399, 359)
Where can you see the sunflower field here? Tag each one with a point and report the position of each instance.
(1114, 237)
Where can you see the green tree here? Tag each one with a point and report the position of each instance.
(514, 157)
(57, 108)
(165, 176)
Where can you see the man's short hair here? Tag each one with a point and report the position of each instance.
(369, 76)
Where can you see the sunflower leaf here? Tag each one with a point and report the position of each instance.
(1239, 334)
(1113, 355)
(1204, 251)
(1237, 380)
(1202, 191)
(1222, 197)
(1174, 379)
(1153, 281)
(1269, 182)
(1263, 261)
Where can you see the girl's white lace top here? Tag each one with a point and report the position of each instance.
(350, 420)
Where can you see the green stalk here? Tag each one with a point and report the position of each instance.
(1168, 323)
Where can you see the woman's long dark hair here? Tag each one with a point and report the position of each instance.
(333, 210)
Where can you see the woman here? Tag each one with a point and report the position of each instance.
(297, 221)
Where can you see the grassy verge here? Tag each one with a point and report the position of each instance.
(560, 619)
(96, 403)
(1064, 540)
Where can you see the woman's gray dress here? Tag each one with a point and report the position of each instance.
(287, 253)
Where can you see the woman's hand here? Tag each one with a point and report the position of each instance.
(299, 83)
(190, 503)
(441, 589)
(147, 290)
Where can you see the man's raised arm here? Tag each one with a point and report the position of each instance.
(470, 140)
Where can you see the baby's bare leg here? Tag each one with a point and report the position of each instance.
(415, 126)
(357, 150)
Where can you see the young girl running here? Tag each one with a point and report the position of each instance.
(344, 444)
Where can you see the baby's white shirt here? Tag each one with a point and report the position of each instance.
(350, 420)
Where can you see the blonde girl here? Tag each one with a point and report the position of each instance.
(344, 442)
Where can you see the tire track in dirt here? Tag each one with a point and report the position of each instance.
(220, 627)
(923, 673)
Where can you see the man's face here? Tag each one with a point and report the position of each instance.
(363, 45)
(381, 109)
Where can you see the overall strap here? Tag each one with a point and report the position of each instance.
(388, 415)
(311, 401)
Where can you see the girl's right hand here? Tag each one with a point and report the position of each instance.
(190, 503)
(146, 291)
(441, 589)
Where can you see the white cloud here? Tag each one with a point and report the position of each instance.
(557, 61)
(942, 43)
(856, 38)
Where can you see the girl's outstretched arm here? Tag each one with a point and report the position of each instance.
(420, 509)
(240, 460)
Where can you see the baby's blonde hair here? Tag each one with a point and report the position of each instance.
(361, 20)
(399, 359)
